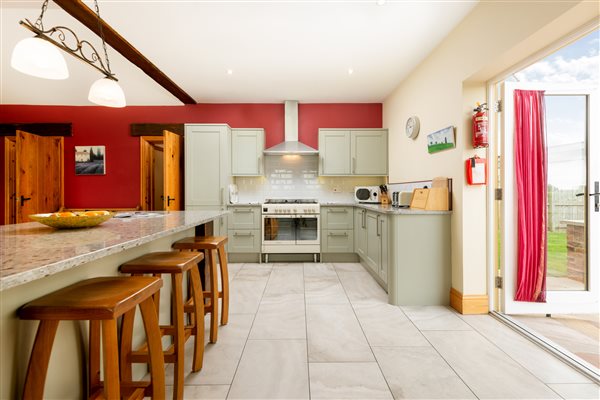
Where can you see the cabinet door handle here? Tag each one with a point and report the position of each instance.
(337, 210)
(260, 166)
(338, 234)
(242, 210)
(378, 231)
(353, 165)
(364, 218)
(242, 234)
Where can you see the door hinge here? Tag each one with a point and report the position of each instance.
(498, 106)
(498, 194)
(499, 282)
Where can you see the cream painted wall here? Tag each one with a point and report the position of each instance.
(443, 90)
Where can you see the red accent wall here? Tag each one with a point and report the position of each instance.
(120, 187)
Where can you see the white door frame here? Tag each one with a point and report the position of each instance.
(556, 301)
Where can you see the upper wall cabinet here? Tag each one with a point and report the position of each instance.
(353, 152)
(247, 147)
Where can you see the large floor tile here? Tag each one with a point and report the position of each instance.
(285, 279)
(203, 392)
(349, 267)
(234, 333)
(318, 270)
(220, 363)
(433, 318)
(386, 325)
(347, 381)
(487, 370)
(361, 288)
(272, 369)
(324, 290)
(420, 373)
(577, 391)
(280, 317)
(250, 271)
(540, 363)
(245, 295)
(334, 335)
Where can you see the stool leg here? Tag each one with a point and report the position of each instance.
(126, 345)
(153, 337)
(224, 286)
(110, 352)
(40, 357)
(198, 319)
(94, 357)
(214, 297)
(179, 334)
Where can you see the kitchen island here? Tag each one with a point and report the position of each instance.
(36, 260)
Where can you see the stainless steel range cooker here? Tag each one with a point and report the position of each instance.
(291, 226)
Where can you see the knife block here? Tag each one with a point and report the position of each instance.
(385, 200)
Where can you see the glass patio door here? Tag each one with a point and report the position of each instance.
(572, 143)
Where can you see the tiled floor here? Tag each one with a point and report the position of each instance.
(325, 331)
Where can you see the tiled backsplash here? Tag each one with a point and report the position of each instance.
(293, 176)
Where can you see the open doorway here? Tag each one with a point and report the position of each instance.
(567, 320)
(161, 172)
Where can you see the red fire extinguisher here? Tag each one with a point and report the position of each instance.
(480, 126)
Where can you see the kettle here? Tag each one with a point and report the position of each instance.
(233, 194)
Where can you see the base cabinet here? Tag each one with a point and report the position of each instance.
(243, 229)
(376, 247)
(360, 232)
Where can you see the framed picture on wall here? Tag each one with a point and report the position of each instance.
(441, 140)
(90, 160)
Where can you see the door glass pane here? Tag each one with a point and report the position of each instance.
(279, 229)
(307, 229)
(566, 121)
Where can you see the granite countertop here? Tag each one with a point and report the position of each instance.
(32, 251)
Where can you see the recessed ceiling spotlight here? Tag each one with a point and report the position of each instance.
(350, 71)
(229, 72)
(380, 2)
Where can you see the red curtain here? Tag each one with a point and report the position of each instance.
(531, 179)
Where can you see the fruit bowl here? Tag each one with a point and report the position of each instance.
(72, 220)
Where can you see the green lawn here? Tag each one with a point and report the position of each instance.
(557, 254)
(439, 147)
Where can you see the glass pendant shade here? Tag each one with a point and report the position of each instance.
(36, 57)
(107, 92)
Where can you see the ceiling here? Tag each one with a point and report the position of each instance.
(276, 50)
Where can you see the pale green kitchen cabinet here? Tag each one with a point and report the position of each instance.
(334, 152)
(360, 231)
(244, 229)
(360, 152)
(337, 229)
(247, 145)
(369, 149)
(208, 169)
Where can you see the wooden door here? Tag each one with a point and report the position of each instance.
(172, 171)
(39, 174)
(10, 181)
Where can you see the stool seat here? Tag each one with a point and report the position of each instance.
(165, 262)
(200, 243)
(93, 299)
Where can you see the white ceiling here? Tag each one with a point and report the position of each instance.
(277, 50)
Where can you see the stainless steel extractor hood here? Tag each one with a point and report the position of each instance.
(291, 145)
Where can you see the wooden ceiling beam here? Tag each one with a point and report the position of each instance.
(78, 10)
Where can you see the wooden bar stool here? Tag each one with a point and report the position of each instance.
(176, 264)
(212, 244)
(101, 301)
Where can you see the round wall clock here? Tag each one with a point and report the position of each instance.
(412, 127)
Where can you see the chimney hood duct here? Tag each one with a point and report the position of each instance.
(291, 145)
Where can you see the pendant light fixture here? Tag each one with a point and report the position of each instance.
(39, 56)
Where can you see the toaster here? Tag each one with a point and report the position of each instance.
(404, 199)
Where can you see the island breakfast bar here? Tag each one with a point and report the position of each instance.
(36, 260)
